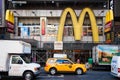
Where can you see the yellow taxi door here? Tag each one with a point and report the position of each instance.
(63, 65)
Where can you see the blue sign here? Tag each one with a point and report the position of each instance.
(25, 31)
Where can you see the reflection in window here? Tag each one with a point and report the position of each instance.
(87, 31)
(63, 62)
(51, 61)
(108, 36)
(100, 31)
(59, 61)
(68, 31)
(66, 62)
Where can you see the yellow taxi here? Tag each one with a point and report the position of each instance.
(54, 65)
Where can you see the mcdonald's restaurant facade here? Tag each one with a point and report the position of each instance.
(77, 40)
(77, 48)
(68, 31)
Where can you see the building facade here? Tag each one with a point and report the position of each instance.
(37, 22)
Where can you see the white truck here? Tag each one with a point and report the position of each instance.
(102, 55)
(15, 59)
(115, 66)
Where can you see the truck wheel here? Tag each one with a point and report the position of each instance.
(53, 71)
(28, 75)
(79, 71)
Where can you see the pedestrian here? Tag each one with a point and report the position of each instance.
(78, 61)
(90, 61)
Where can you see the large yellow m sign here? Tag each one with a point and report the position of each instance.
(78, 23)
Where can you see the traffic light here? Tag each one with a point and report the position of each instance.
(9, 21)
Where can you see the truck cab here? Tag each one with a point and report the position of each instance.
(20, 66)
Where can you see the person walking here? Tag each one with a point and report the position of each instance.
(78, 61)
(90, 61)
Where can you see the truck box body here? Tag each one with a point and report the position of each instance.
(11, 46)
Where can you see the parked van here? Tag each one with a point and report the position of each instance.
(115, 66)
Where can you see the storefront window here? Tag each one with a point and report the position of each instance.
(108, 36)
(68, 31)
(85, 31)
(100, 31)
(29, 27)
(89, 31)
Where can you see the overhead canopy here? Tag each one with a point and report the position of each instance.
(66, 0)
(61, 3)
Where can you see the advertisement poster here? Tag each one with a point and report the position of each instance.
(58, 45)
(24, 31)
(105, 53)
(51, 29)
(43, 25)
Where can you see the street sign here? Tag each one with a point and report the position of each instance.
(58, 45)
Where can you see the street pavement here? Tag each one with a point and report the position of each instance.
(90, 75)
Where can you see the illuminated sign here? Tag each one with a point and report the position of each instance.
(58, 45)
(105, 53)
(108, 26)
(43, 25)
(77, 24)
(9, 21)
(51, 29)
(108, 20)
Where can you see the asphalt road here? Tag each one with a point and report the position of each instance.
(90, 75)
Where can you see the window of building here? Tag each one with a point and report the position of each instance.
(29, 27)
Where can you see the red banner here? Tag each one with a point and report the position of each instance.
(43, 27)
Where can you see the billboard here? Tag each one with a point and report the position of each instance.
(105, 53)
(58, 45)
(43, 25)
(108, 20)
(9, 18)
(108, 26)
(78, 24)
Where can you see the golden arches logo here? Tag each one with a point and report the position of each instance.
(77, 24)
(9, 16)
(109, 16)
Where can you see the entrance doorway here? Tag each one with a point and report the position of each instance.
(82, 56)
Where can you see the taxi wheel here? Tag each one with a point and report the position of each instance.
(79, 71)
(53, 71)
